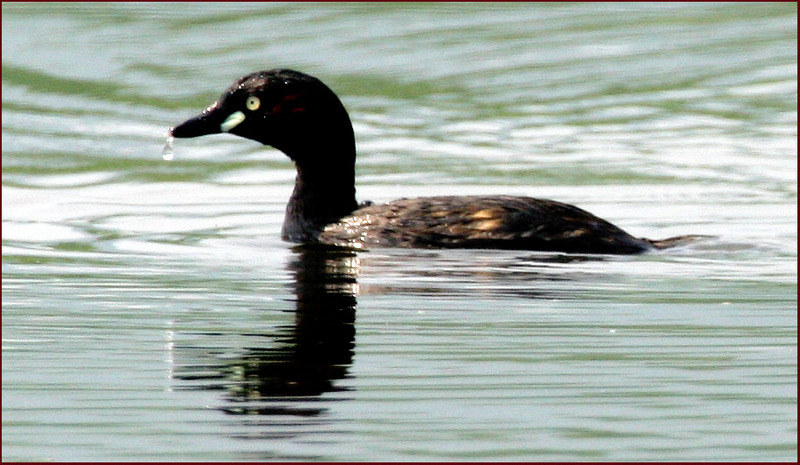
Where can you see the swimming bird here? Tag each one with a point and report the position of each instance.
(303, 118)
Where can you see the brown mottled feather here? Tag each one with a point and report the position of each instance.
(505, 222)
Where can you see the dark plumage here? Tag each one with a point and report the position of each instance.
(300, 116)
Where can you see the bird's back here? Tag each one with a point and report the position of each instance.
(491, 222)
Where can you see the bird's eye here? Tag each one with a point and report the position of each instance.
(253, 103)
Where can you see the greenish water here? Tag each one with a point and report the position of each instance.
(151, 312)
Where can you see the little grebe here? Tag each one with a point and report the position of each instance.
(300, 116)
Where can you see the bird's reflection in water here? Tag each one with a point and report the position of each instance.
(287, 370)
(318, 348)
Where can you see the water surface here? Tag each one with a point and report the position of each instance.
(151, 312)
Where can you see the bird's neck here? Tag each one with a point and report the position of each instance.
(323, 193)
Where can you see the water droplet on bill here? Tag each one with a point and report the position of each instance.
(168, 153)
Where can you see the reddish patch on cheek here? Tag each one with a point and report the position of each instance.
(288, 104)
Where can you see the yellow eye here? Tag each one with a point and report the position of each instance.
(253, 103)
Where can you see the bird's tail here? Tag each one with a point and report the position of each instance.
(676, 241)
